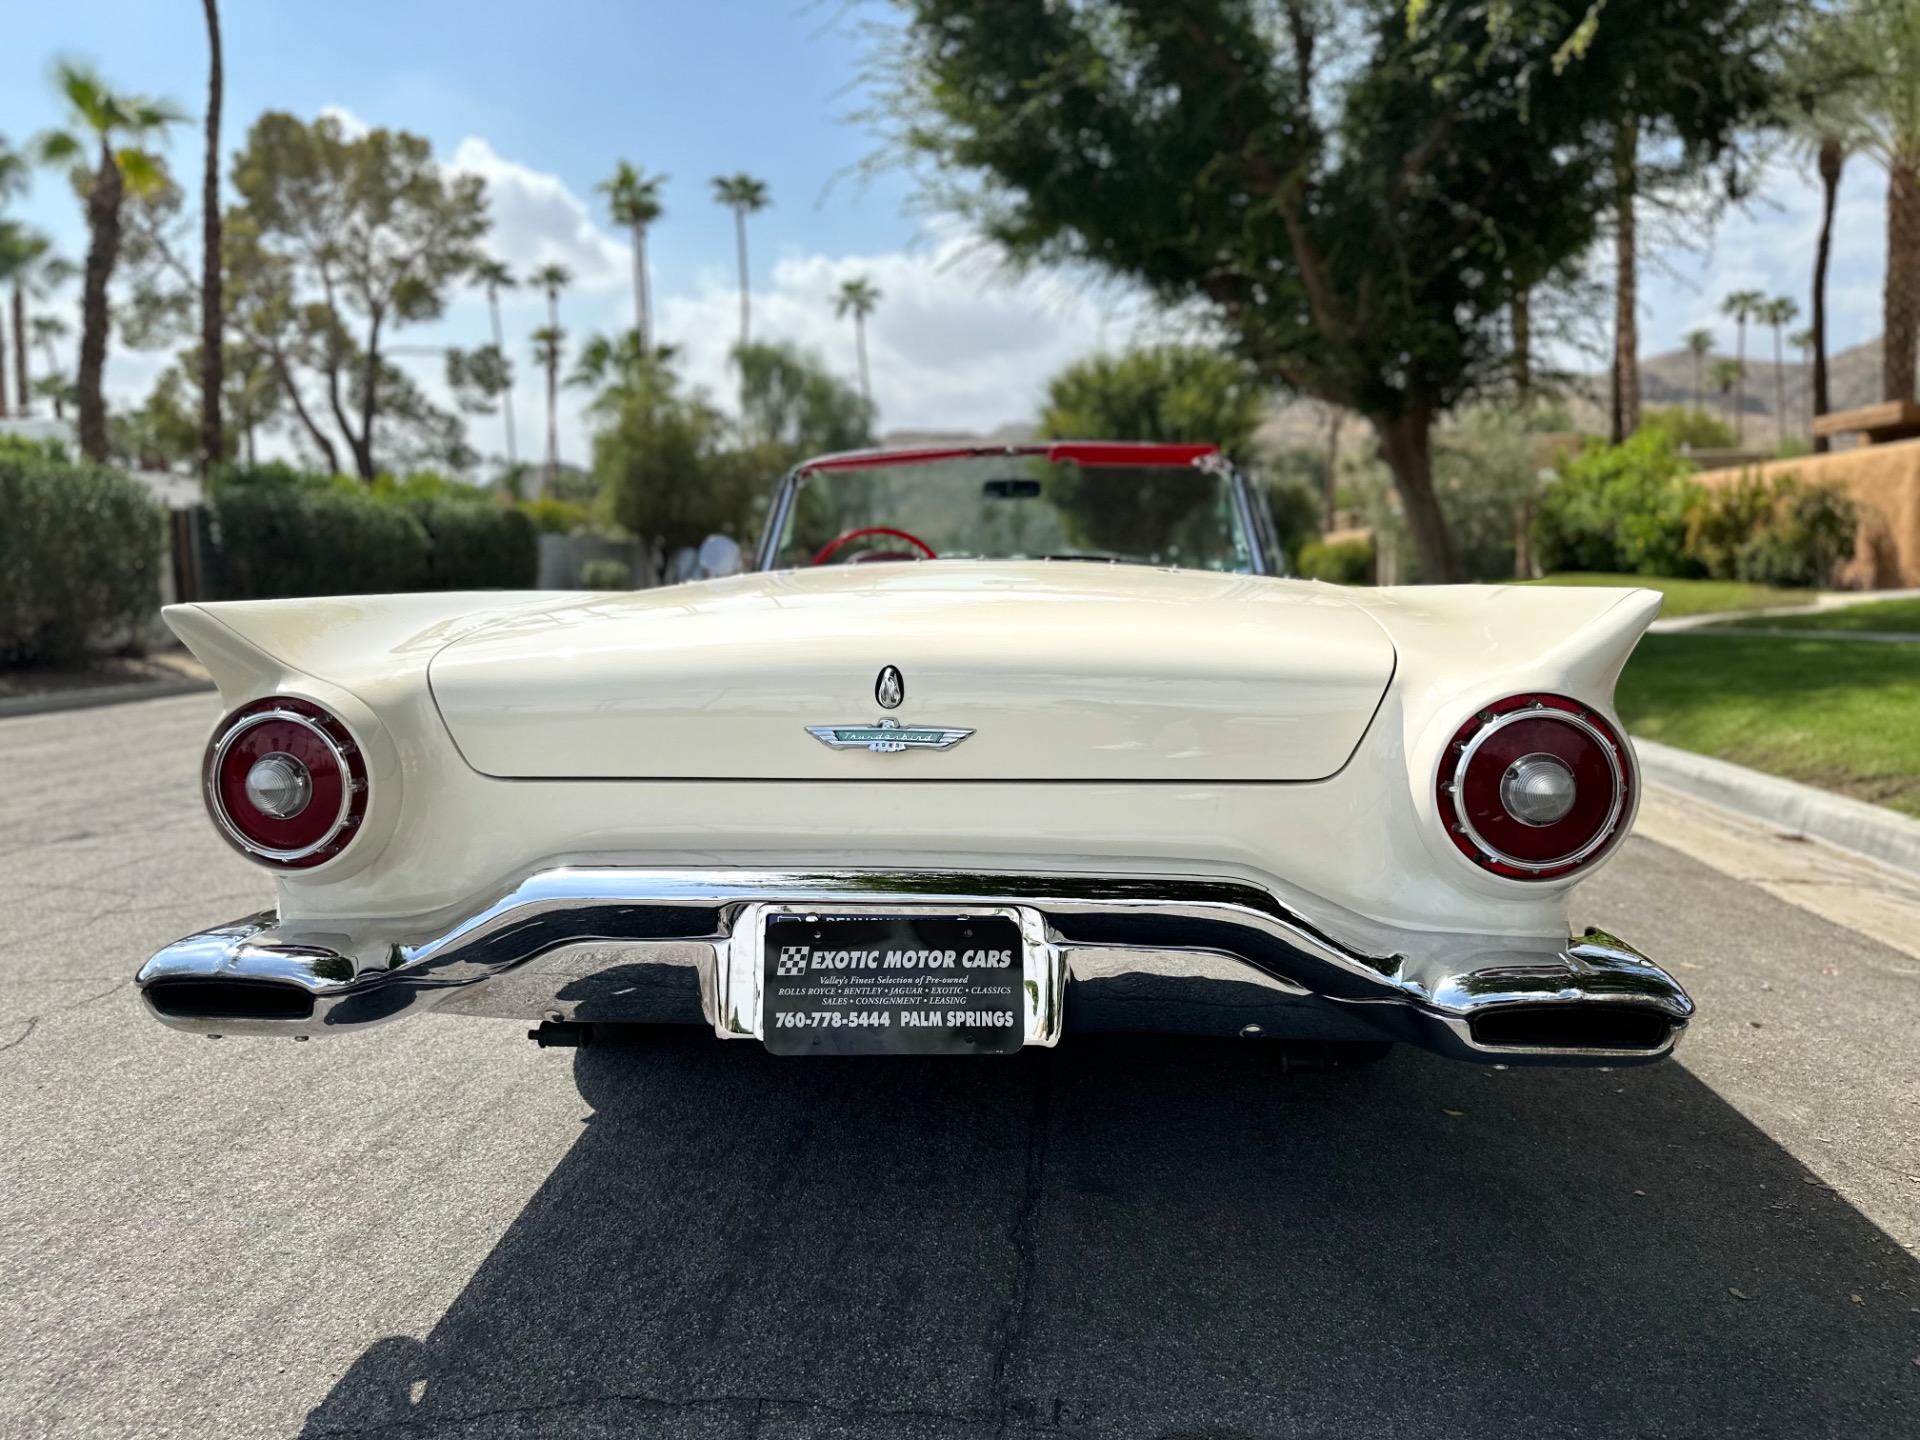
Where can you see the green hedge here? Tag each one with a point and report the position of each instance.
(279, 532)
(80, 551)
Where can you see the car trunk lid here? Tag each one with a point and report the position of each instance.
(1059, 671)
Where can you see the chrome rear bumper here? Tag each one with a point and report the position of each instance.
(621, 944)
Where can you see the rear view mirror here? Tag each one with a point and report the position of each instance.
(1011, 490)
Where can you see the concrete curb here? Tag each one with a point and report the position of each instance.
(100, 695)
(1868, 830)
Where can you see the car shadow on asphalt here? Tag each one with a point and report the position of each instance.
(1135, 1236)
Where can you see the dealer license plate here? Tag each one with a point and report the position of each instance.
(893, 985)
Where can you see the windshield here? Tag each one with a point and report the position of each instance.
(1015, 507)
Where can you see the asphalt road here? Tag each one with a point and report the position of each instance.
(438, 1230)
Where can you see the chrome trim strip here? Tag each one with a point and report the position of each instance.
(1426, 991)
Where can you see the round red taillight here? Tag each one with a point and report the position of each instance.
(1534, 786)
(286, 783)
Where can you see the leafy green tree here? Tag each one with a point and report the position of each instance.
(858, 297)
(370, 234)
(666, 471)
(793, 403)
(1356, 193)
(633, 199)
(1172, 393)
(614, 367)
(104, 149)
(745, 196)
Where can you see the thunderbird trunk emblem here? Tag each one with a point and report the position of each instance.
(887, 737)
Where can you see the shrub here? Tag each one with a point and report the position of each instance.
(552, 516)
(275, 538)
(1772, 533)
(1344, 562)
(606, 574)
(79, 558)
(1689, 426)
(1620, 509)
(477, 545)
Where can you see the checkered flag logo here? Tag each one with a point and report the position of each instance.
(793, 960)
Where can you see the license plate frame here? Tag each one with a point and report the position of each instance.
(756, 996)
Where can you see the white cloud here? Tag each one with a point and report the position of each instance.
(538, 220)
(956, 343)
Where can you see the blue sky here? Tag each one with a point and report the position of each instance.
(542, 99)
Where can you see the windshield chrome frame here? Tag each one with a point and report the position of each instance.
(1245, 502)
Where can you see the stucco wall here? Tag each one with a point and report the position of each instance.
(1885, 481)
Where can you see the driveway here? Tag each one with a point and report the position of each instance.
(439, 1230)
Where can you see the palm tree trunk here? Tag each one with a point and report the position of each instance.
(1406, 444)
(1740, 382)
(21, 381)
(506, 398)
(212, 311)
(740, 242)
(1699, 381)
(553, 424)
(642, 301)
(1779, 385)
(1832, 158)
(103, 249)
(1626, 335)
(860, 344)
(1903, 284)
(3, 374)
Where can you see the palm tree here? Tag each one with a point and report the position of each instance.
(549, 345)
(46, 330)
(1876, 108)
(1741, 306)
(14, 176)
(1727, 377)
(116, 127)
(493, 277)
(1779, 312)
(212, 312)
(633, 199)
(858, 297)
(42, 272)
(1803, 341)
(1699, 346)
(551, 279)
(745, 196)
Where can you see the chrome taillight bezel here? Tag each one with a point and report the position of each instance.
(1472, 736)
(333, 735)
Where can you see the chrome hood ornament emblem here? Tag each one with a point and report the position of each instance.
(887, 736)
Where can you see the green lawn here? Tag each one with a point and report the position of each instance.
(1693, 597)
(1834, 713)
(1887, 616)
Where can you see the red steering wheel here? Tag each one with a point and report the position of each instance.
(828, 550)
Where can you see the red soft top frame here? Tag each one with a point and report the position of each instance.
(1083, 452)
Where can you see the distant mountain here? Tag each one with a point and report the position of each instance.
(1853, 379)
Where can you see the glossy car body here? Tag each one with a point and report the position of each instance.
(1210, 802)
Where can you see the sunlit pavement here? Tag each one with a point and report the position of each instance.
(440, 1230)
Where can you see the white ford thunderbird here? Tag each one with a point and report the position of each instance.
(988, 747)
